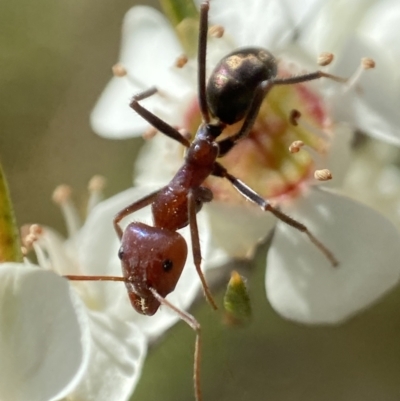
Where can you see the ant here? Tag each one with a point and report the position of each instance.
(153, 257)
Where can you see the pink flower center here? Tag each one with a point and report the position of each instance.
(263, 160)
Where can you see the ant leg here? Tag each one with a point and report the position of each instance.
(296, 79)
(155, 121)
(254, 197)
(259, 94)
(137, 205)
(94, 278)
(201, 61)
(194, 324)
(194, 233)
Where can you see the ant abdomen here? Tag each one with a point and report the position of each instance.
(230, 88)
(155, 263)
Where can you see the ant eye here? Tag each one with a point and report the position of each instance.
(167, 265)
(120, 253)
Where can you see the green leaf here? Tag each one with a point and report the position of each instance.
(10, 246)
(184, 17)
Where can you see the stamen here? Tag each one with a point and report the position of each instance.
(62, 197)
(296, 146)
(325, 59)
(316, 154)
(119, 70)
(29, 235)
(216, 31)
(294, 117)
(37, 240)
(95, 187)
(41, 256)
(150, 133)
(185, 133)
(323, 175)
(31, 240)
(97, 183)
(366, 64)
(181, 61)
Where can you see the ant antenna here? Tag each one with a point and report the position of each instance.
(201, 61)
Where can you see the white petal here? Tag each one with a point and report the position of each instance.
(44, 337)
(330, 24)
(339, 155)
(237, 229)
(112, 117)
(54, 246)
(270, 22)
(303, 286)
(169, 155)
(116, 359)
(149, 44)
(148, 51)
(374, 109)
(302, 13)
(381, 24)
(99, 245)
(378, 122)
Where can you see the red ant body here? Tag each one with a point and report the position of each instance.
(153, 257)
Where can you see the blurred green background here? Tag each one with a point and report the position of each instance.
(55, 59)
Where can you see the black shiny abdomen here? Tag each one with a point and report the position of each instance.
(231, 85)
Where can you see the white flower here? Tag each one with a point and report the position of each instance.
(115, 345)
(352, 30)
(44, 334)
(300, 282)
(374, 176)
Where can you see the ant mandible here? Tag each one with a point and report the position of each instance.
(153, 257)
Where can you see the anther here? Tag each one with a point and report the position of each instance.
(323, 175)
(96, 183)
(36, 229)
(367, 63)
(34, 232)
(150, 133)
(119, 70)
(294, 117)
(181, 61)
(216, 31)
(35, 240)
(96, 186)
(62, 194)
(296, 146)
(185, 133)
(62, 197)
(325, 59)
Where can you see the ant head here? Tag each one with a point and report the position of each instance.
(152, 257)
(231, 86)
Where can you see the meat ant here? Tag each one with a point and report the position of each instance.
(153, 257)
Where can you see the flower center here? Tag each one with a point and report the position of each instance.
(263, 159)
